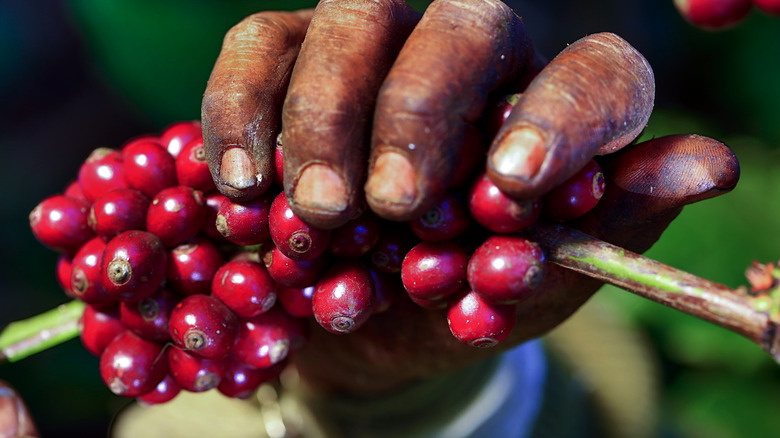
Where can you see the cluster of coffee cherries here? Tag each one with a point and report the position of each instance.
(187, 289)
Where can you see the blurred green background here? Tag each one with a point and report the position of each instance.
(88, 73)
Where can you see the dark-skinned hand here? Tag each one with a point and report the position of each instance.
(373, 103)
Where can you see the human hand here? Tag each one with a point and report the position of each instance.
(15, 420)
(424, 102)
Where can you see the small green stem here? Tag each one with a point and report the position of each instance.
(26, 337)
(734, 309)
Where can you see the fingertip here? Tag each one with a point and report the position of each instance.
(15, 419)
(391, 188)
(321, 198)
(238, 177)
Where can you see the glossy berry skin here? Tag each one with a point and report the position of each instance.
(213, 200)
(240, 380)
(294, 237)
(496, 211)
(495, 117)
(245, 223)
(343, 298)
(296, 301)
(713, 14)
(178, 134)
(192, 265)
(85, 274)
(577, 195)
(176, 214)
(355, 238)
(164, 392)
(118, 210)
(98, 327)
(268, 338)
(444, 221)
(133, 265)
(387, 287)
(203, 326)
(148, 318)
(434, 270)
(149, 167)
(102, 171)
(131, 366)
(506, 269)
(192, 170)
(73, 190)
(477, 323)
(193, 373)
(279, 162)
(771, 7)
(391, 248)
(293, 273)
(61, 223)
(245, 287)
(64, 269)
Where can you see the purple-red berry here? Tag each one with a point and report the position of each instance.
(478, 323)
(343, 298)
(203, 326)
(131, 366)
(61, 223)
(133, 266)
(245, 287)
(506, 269)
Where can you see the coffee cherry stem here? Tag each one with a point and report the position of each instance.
(752, 315)
(23, 338)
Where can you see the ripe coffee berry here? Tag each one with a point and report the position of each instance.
(133, 265)
(193, 373)
(118, 210)
(296, 301)
(577, 195)
(445, 221)
(478, 323)
(191, 266)
(61, 223)
(131, 366)
(102, 171)
(496, 211)
(98, 327)
(213, 200)
(240, 380)
(391, 248)
(245, 223)
(192, 170)
(64, 269)
(495, 117)
(245, 287)
(148, 318)
(355, 238)
(387, 287)
(771, 7)
(343, 298)
(149, 167)
(85, 274)
(73, 190)
(268, 338)
(203, 326)
(434, 270)
(292, 273)
(176, 214)
(506, 269)
(294, 237)
(178, 134)
(165, 391)
(713, 14)
(279, 162)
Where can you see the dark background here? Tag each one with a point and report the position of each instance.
(79, 75)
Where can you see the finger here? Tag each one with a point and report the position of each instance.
(15, 419)
(327, 114)
(593, 98)
(458, 53)
(242, 103)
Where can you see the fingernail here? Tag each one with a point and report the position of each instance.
(13, 415)
(393, 180)
(237, 170)
(321, 188)
(520, 154)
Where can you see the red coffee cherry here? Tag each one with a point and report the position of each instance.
(85, 274)
(131, 366)
(445, 221)
(355, 238)
(61, 223)
(118, 210)
(713, 14)
(296, 301)
(294, 237)
(203, 326)
(64, 269)
(102, 171)
(495, 116)
(178, 134)
(387, 287)
(343, 298)
(770, 7)
(506, 269)
(193, 373)
(148, 318)
(268, 338)
(240, 380)
(192, 265)
(99, 327)
(149, 167)
(213, 200)
(164, 392)
(496, 211)
(478, 323)
(245, 223)
(577, 195)
(279, 162)
(133, 265)
(434, 270)
(391, 248)
(73, 190)
(192, 170)
(245, 287)
(176, 214)
(292, 273)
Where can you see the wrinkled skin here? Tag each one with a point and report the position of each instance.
(647, 184)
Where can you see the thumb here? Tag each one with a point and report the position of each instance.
(15, 420)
